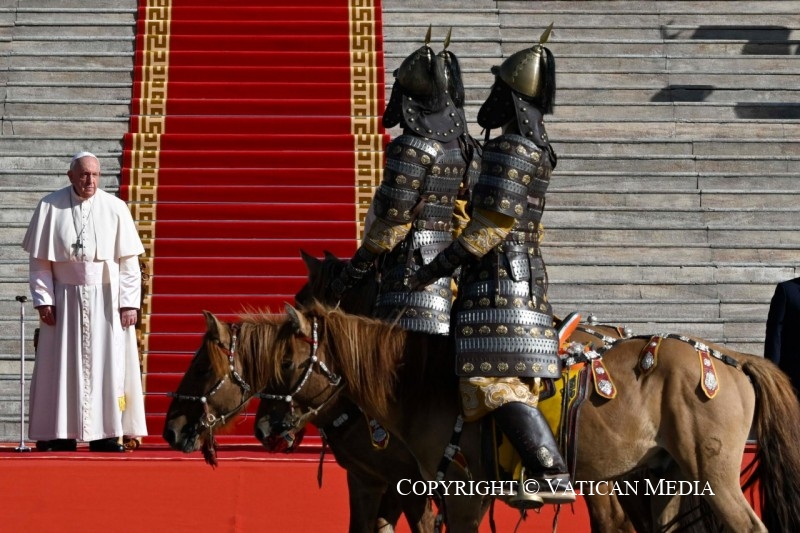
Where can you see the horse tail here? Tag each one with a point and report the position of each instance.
(777, 426)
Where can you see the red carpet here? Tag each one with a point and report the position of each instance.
(155, 490)
(254, 134)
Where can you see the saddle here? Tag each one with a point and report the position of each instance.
(560, 401)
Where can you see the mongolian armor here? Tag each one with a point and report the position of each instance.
(426, 175)
(504, 323)
(421, 181)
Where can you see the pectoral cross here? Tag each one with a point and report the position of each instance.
(78, 246)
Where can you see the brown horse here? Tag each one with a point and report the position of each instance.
(224, 375)
(406, 381)
(606, 512)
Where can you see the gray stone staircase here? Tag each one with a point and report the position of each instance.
(675, 203)
(66, 75)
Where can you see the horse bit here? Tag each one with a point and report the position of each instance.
(209, 420)
(313, 361)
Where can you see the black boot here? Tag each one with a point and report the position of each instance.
(545, 470)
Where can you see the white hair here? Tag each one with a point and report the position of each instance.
(79, 156)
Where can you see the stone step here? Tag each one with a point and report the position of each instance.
(53, 125)
(10, 358)
(43, 44)
(588, 237)
(755, 129)
(662, 254)
(72, 75)
(678, 93)
(55, 160)
(67, 108)
(74, 17)
(74, 91)
(49, 30)
(690, 290)
(51, 179)
(70, 60)
(563, 180)
(57, 145)
(760, 280)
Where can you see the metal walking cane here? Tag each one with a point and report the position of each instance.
(22, 447)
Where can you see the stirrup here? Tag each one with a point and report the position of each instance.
(558, 492)
(524, 499)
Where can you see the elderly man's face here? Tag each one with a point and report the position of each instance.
(85, 176)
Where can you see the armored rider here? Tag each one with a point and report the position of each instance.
(420, 203)
(503, 322)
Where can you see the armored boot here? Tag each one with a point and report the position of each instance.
(546, 475)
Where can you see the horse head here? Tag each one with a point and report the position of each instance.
(321, 272)
(300, 383)
(212, 390)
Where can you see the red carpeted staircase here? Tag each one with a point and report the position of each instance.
(254, 134)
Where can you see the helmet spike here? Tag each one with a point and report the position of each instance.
(447, 39)
(428, 35)
(546, 35)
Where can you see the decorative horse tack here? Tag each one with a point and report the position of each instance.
(209, 421)
(576, 353)
(333, 379)
(648, 359)
(709, 382)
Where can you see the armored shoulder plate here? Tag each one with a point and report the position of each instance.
(515, 173)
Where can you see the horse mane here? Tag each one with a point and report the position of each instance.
(259, 329)
(365, 352)
(217, 356)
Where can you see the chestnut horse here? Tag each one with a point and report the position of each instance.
(607, 514)
(405, 380)
(222, 378)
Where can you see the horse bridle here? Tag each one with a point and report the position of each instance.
(209, 421)
(313, 362)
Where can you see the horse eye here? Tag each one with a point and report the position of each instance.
(287, 365)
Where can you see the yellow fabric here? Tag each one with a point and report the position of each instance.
(486, 230)
(482, 395)
(383, 235)
(460, 217)
(551, 407)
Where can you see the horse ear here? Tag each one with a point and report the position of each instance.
(312, 263)
(298, 320)
(214, 327)
(330, 256)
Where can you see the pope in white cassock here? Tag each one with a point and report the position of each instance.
(86, 285)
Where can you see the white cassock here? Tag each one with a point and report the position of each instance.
(86, 383)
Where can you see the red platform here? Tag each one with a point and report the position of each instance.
(155, 489)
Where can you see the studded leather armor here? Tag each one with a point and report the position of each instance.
(429, 169)
(422, 179)
(504, 323)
